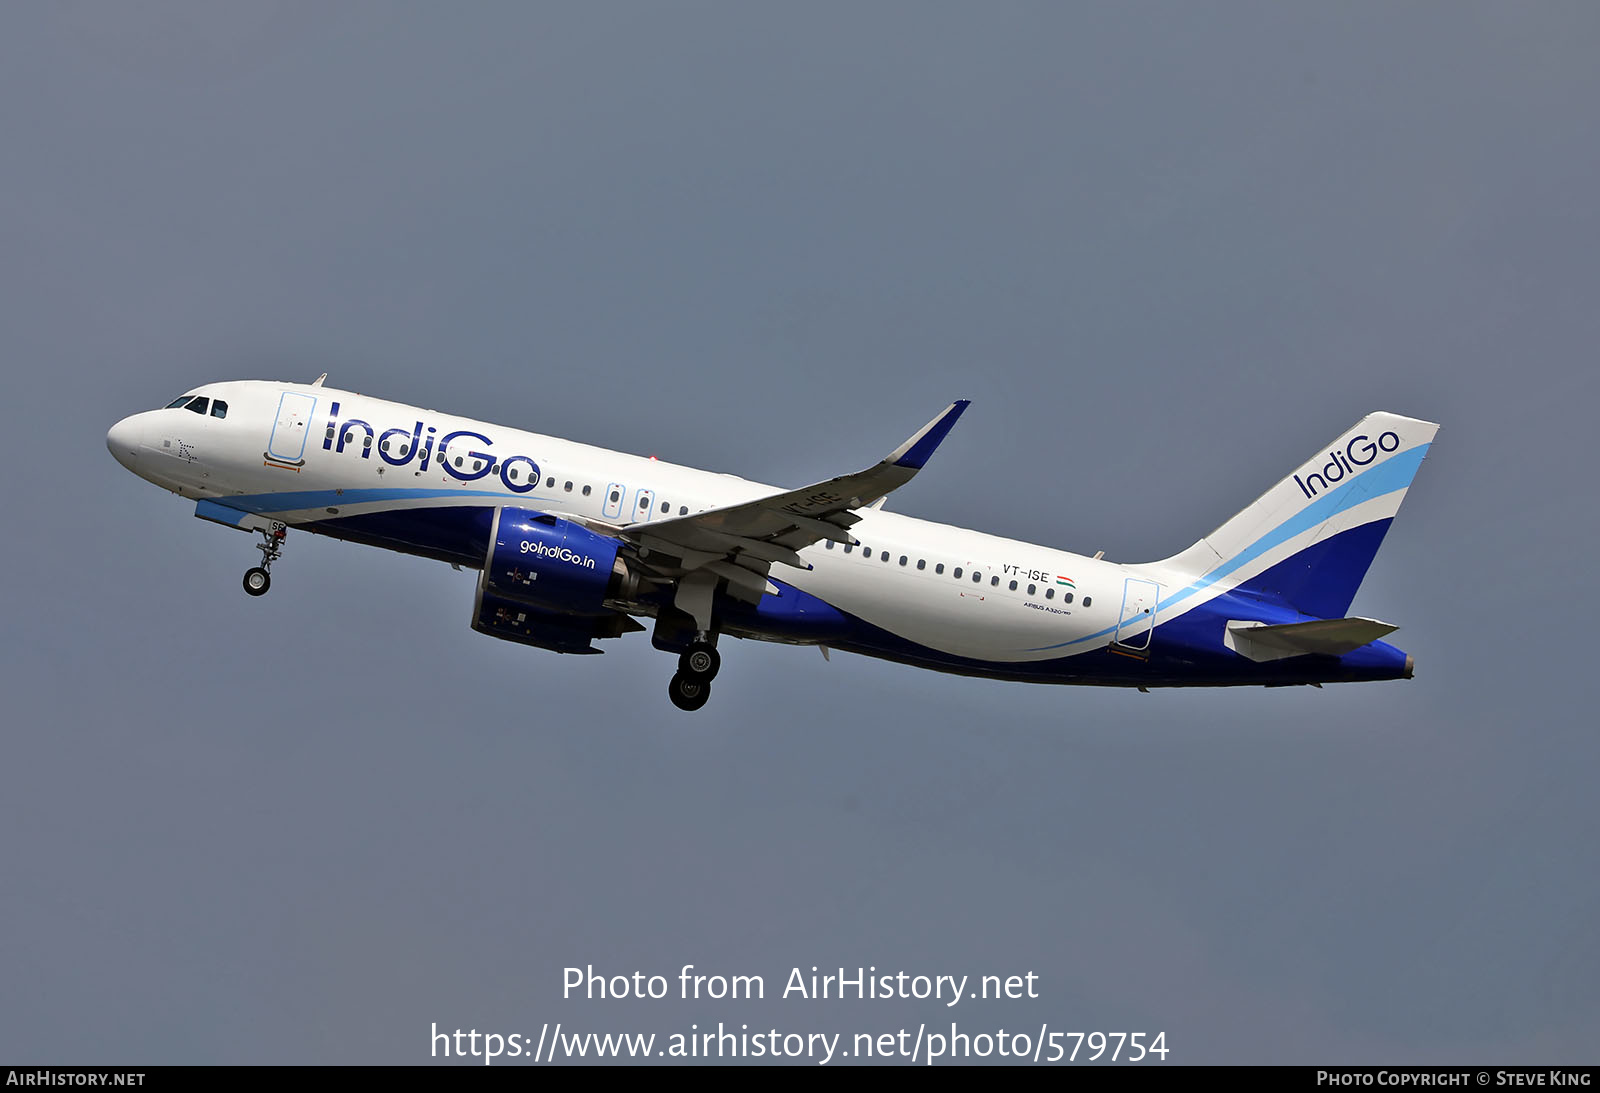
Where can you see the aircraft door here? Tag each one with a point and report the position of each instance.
(644, 503)
(1136, 622)
(287, 444)
(611, 508)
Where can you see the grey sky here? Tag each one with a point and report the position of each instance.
(1167, 250)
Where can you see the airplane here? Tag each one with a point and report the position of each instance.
(575, 544)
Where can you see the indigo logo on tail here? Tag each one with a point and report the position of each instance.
(1358, 453)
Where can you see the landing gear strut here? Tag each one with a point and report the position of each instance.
(690, 688)
(259, 578)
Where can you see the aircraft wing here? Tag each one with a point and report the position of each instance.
(740, 542)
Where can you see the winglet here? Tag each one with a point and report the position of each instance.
(914, 453)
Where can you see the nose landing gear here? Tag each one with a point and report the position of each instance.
(259, 578)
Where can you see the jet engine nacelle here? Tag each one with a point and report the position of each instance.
(521, 622)
(552, 564)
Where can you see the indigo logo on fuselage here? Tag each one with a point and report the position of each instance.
(1360, 451)
(398, 447)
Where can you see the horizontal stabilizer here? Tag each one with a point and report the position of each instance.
(1327, 637)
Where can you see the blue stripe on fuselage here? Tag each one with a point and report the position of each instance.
(458, 534)
(315, 499)
(1187, 650)
(1186, 653)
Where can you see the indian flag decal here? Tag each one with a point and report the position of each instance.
(1066, 581)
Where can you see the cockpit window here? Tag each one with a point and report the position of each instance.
(198, 406)
(219, 409)
(179, 401)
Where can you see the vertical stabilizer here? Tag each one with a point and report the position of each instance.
(1309, 540)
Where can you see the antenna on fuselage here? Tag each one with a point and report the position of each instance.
(318, 381)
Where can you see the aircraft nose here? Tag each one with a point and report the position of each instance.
(124, 440)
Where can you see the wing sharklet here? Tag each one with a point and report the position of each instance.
(914, 453)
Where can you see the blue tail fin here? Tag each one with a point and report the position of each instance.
(1309, 540)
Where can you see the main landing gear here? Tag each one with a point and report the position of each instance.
(259, 578)
(690, 688)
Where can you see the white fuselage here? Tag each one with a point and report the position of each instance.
(429, 483)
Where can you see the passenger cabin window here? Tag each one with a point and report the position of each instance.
(994, 582)
(885, 556)
(939, 568)
(568, 487)
(922, 563)
(219, 409)
(1032, 588)
(1066, 597)
(956, 573)
(1049, 593)
(586, 491)
(683, 510)
(199, 406)
(550, 483)
(1013, 586)
(1087, 600)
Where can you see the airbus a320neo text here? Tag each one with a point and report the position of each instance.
(575, 545)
